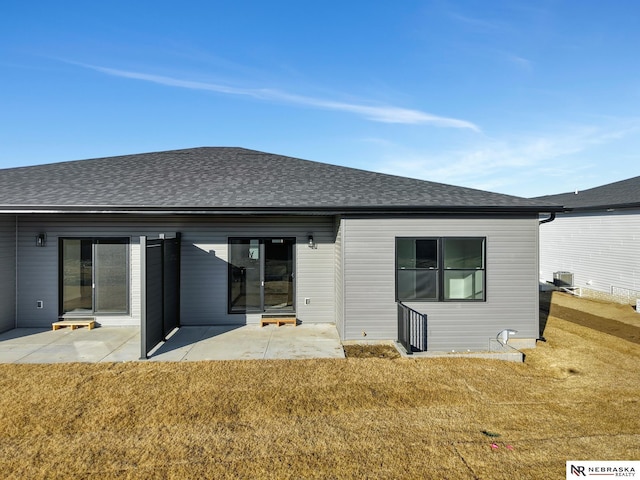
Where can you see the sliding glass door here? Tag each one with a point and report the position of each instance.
(94, 275)
(261, 275)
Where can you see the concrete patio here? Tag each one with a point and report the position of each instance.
(122, 344)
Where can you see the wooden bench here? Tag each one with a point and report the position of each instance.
(278, 320)
(74, 323)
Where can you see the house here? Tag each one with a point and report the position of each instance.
(595, 244)
(247, 234)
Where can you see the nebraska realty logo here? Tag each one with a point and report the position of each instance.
(579, 469)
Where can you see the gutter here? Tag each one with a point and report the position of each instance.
(606, 207)
(552, 217)
(309, 210)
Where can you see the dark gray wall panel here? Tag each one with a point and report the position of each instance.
(154, 330)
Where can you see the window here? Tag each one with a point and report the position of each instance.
(440, 269)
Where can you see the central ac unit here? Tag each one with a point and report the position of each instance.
(563, 279)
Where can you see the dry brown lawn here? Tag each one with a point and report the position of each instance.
(370, 351)
(575, 397)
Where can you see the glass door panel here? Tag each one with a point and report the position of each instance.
(111, 279)
(245, 290)
(278, 274)
(77, 276)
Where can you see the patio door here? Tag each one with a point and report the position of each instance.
(94, 275)
(261, 275)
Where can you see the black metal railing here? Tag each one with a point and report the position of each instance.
(412, 329)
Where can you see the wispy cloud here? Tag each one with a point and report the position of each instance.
(506, 165)
(477, 23)
(377, 113)
(519, 61)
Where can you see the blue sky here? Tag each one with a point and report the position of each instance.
(524, 98)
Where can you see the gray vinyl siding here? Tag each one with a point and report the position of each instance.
(339, 295)
(511, 280)
(601, 249)
(8, 272)
(204, 267)
(38, 273)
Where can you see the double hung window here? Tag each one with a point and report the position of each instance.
(440, 269)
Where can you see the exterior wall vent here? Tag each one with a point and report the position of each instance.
(563, 279)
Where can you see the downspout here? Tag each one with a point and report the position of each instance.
(552, 217)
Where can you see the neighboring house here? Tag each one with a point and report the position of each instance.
(262, 233)
(597, 240)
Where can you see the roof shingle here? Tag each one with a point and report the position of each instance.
(622, 194)
(231, 178)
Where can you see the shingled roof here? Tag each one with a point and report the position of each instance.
(622, 194)
(221, 179)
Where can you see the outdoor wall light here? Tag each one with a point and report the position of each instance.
(41, 240)
(311, 242)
